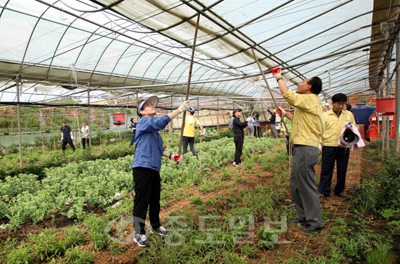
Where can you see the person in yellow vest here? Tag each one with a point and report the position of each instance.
(190, 130)
(335, 119)
(307, 129)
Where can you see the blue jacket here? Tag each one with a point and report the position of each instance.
(148, 142)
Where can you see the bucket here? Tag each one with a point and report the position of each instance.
(118, 119)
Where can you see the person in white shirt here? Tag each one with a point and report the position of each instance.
(85, 134)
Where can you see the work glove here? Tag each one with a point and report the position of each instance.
(72, 137)
(176, 157)
(62, 138)
(276, 72)
(184, 106)
(282, 112)
(320, 147)
(202, 135)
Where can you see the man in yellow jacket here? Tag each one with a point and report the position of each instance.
(307, 130)
(335, 119)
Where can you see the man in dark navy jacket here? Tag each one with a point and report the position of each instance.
(66, 136)
(238, 134)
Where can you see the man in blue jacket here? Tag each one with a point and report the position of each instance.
(146, 167)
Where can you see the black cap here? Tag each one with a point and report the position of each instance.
(236, 110)
(64, 121)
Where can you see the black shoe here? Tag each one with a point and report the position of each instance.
(311, 229)
(297, 221)
(342, 195)
(141, 240)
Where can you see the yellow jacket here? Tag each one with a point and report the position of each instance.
(308, 120)
(189, 129)
(334, 125)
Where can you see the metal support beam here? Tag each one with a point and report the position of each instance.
(89, 124)
(217, 114)
(19, 124)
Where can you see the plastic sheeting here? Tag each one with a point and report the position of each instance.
(145, 46)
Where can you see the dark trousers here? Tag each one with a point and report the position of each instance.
(147, 195)
(189, 140)
(329, 156)
(84, 142)
(239, 146)
(274, 133)
(257, 131)
(132, 139)
(302, 185)
(67, 141)
(287, 146)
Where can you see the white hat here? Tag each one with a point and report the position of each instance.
(153, 100)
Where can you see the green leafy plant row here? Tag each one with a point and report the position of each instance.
(70, 188)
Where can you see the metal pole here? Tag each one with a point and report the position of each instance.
(358, 169)
(269, 88)
(171, 125)
(387, 95)
(41, 128)
(188, 85)
(19, 124)
(397, 107)
(89, 124)
(217, 114)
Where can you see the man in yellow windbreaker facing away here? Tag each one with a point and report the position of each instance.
(190, 130)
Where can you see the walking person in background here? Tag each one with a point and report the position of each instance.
(272, 120)
(146, 167)
(133, 131)
(85, 134)
(257, 125)
(250, 125)
(335, 119)
(307, 130)
(238, 135)
(189, 131)
(66, 136)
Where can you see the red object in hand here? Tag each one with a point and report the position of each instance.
(279, 111)
(178, 158)
(276, 70)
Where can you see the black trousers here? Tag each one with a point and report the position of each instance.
(288, 144)
(329, 156)
(239, 146)
(84, 142)
(147, 195)
(257, 131)
(132, 139)
(185, 142)
(67, 141)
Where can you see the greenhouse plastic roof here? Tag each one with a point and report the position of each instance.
(60, 49)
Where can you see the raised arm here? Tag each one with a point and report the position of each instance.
(182, 108)
(281, 82)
